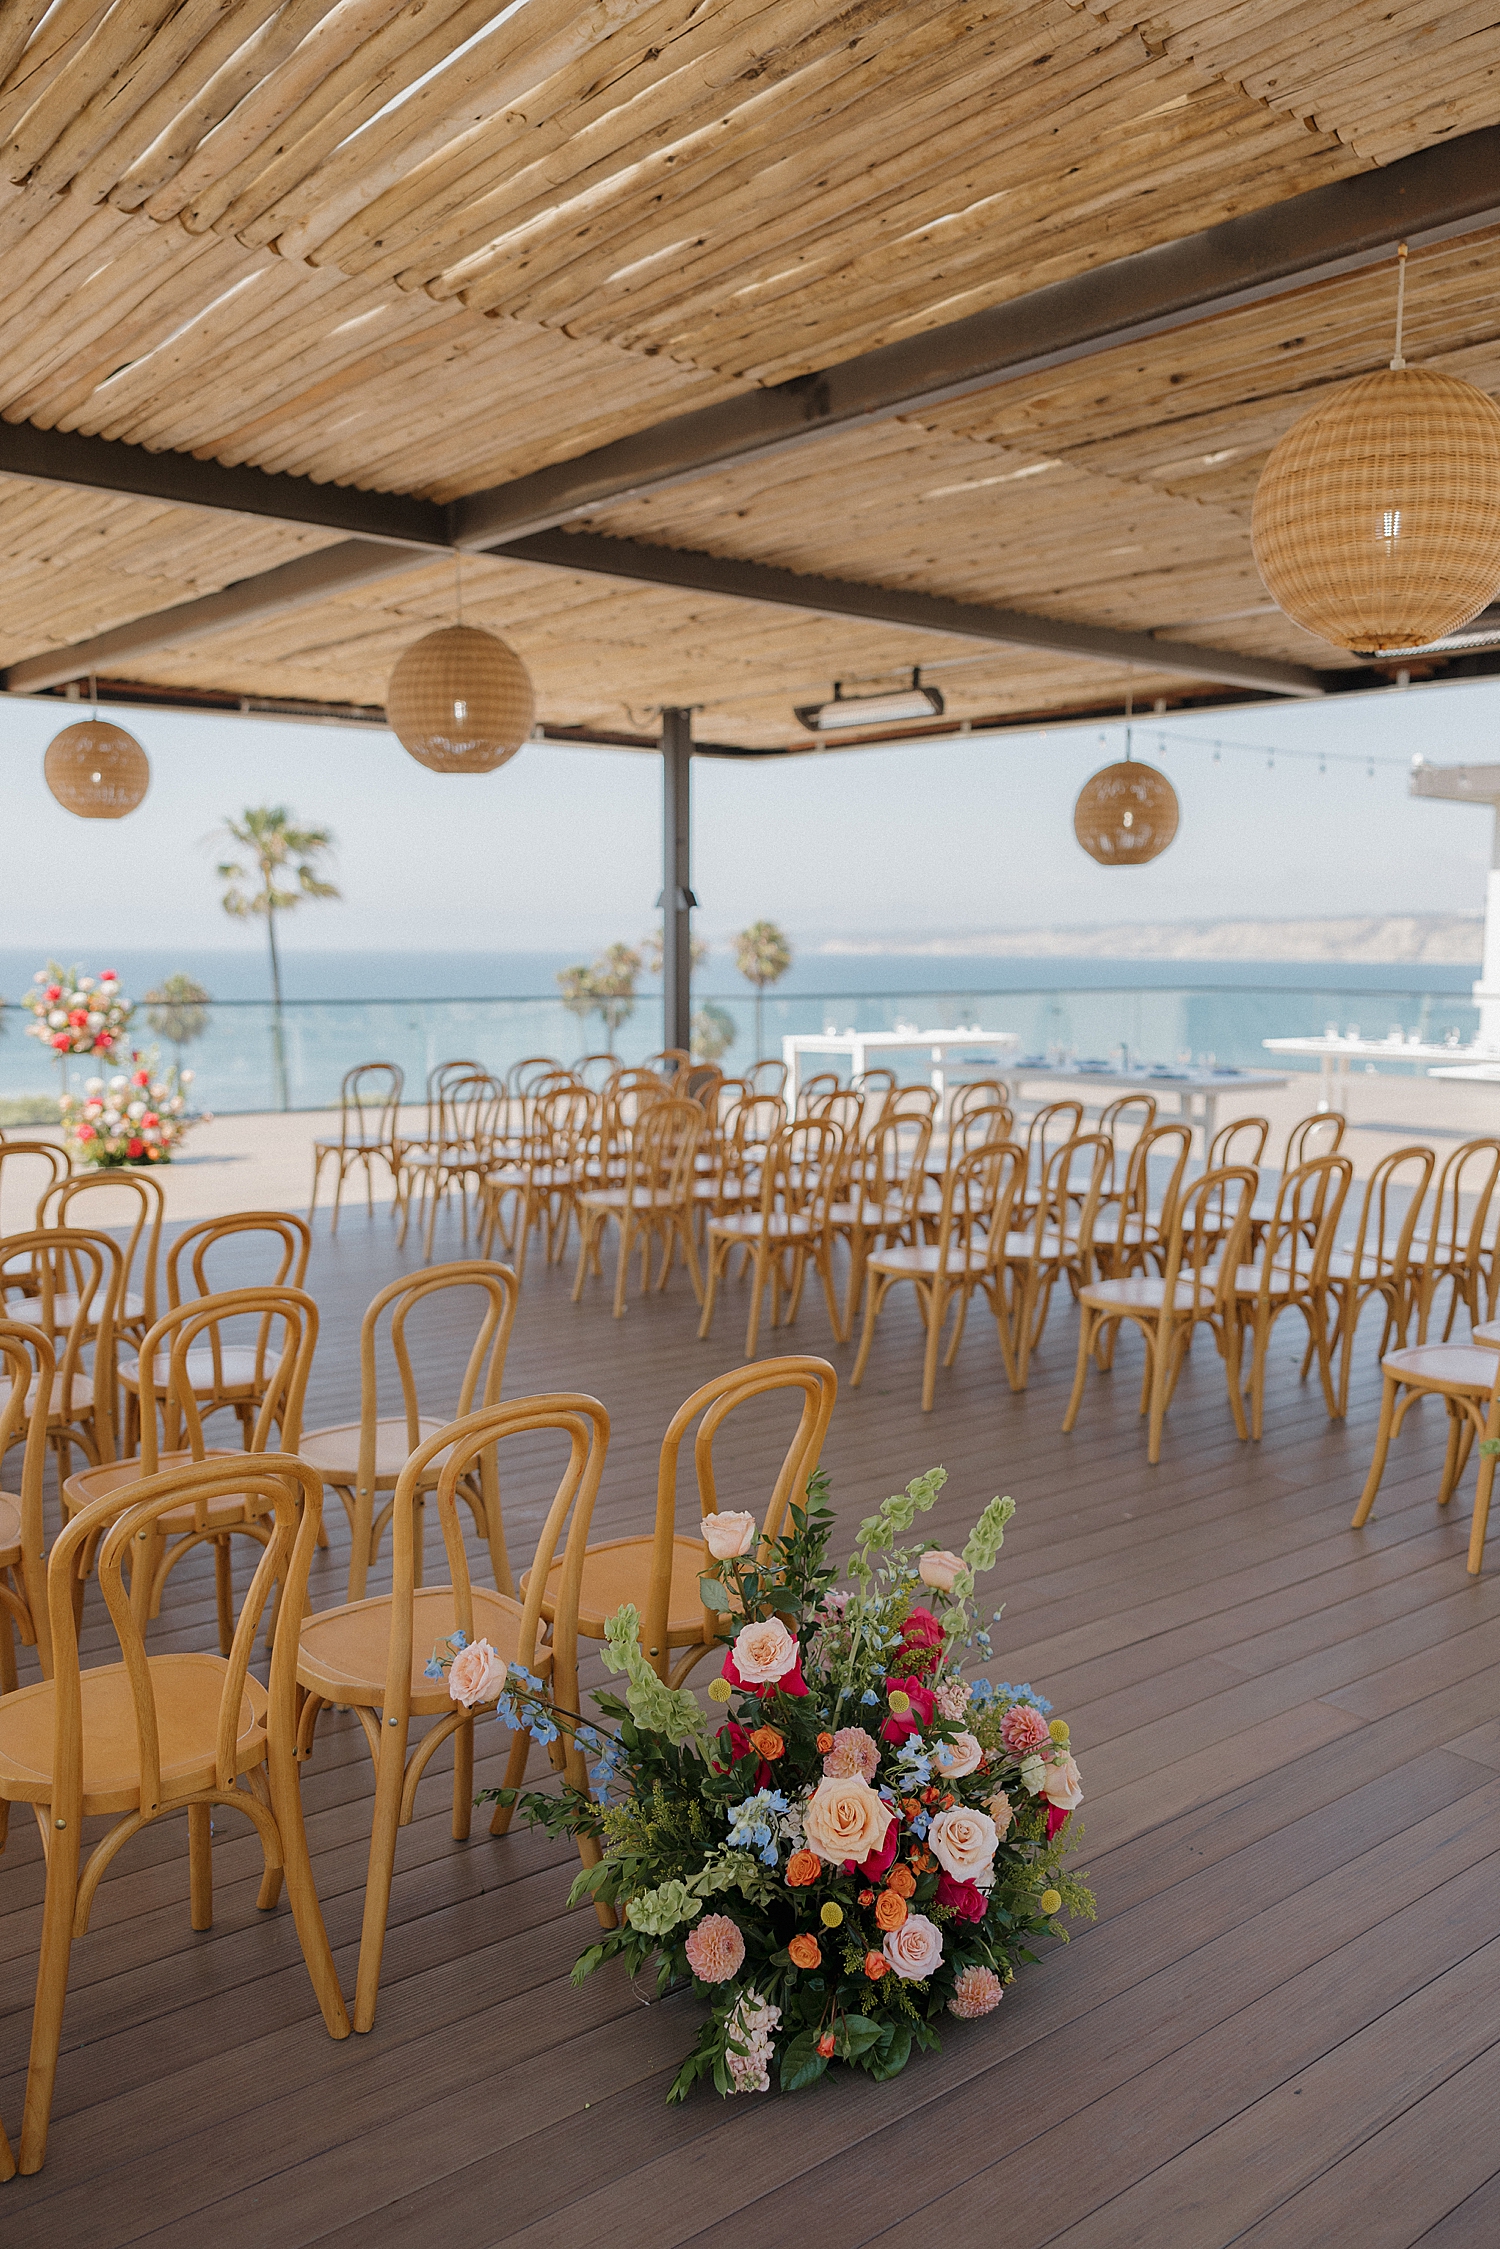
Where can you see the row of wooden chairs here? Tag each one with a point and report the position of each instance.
(198, 1732)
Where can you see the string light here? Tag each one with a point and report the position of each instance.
(1217, 745)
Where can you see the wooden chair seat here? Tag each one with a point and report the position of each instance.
(343, 1653)
(619, 1570)
(1110, 1228)
(922, 1257)
(780, 1228)
(334, 1451)
(1456, 1366)
(81, 1394)
(1144, 1292)
(1053, 1244)
(237, 1368)
(65, 1310)
(90, 1484)
(188, 1690)
(10, 1531)
(888, 1213)
(613, 1198)
(1247, 1279)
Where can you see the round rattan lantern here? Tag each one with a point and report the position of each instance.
(1126, 814)
(460, 701)
(1377, 519)
(96, 770)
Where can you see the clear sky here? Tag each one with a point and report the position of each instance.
(561, 848)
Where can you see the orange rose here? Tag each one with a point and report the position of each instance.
(767, 1743)
(923, 1861)
(890, 1910)
(803, 1867)
(876, 1966)
(806, 1952)
(902, 1880)
(825, 1743)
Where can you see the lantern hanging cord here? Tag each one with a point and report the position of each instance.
(1397, 362)
(458, 586)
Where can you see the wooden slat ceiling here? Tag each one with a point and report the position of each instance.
(428, 247)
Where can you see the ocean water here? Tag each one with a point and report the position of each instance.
(418, 1009)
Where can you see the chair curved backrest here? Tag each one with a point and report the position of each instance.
(977, 1093)
(1209, 1230)
(1468, 1176)
(25, 1412)
(978, 1126)
(592, 1070)
(274, 1485)
(89, 1268)
(710, 1406)
(980, 1190)
(474, 1436)
(1382, 1237)
(768, 1077)
(910, 1103)
(54, 1160)
(1320, 1134)
(150, 1199)
(803, 1170)
(484, 1369)
(1241, 1141)
(1300, 1237)
(1123, 1111)
(369, 1097)
(177, 1392)
(842, 1106)
(1135, 1198)
(750, 1125)
(292, 1235)
(521, 1075)
(663, 1144)
(822, 1081)
(1071, 1192)
(1054, 1117)
(895, 1163)
(667, 1062)
(875, 1084)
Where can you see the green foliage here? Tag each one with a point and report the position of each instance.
(178, 1010)
(666, 1710)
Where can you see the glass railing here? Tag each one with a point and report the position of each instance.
(247, 1060)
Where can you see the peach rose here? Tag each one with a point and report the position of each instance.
(876, 1966)
(891, 1909)
(956, 1759)
(728, 1536)
(845, 1819)
(805, 1952)
(963, 1842)
(902, 1880)
(939, 1568)
(915, 1949)
(476, 1674)
(1062, 1784)
(1001, 1811)
(801, 1868)
(764, 1652)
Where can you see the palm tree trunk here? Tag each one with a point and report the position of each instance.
(278, 1041)
(759, 998)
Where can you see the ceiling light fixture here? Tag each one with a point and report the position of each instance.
(888, 709)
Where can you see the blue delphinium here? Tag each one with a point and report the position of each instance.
(752, 1823)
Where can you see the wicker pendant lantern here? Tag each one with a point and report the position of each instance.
(1125, 814)
(460, 701)
(1377, 518)
(96, 770)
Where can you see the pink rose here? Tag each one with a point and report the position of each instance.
(963, 1842)
(845, 1819)
(939, 1567)
(915, 1949)
(763, 1653)
(476, 1674)
(1062, 1784)
(728, 1536)
(1001, 1811)
(1023, 1730)
(956, 1759)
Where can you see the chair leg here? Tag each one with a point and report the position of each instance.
(224, 1595)
(201, 1865)
(1453, 1451)
(1388, 1391)
(361, 1528)
(385, 1821)
(338, 1196)
(1482, 1490)
(463, 1779)
(934, 1303)
(1159, 1353)
(1088, 1328)
(515, 1773)
(758, 1277)
(718, 1258)
(622, 1269)
(51, 1988)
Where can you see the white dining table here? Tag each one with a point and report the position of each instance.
(975, 1048)
(1191, 1084)
(1335, 1052)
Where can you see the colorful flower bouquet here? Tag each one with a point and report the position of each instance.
(77, 1014)
(138, 1116)
(868, 1841)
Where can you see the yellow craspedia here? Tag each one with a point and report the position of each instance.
(832, 1915)
(1058, 1728)
(900, 1702)
(719, 1690)
(1050, 1901)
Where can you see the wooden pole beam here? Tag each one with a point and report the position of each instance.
(677, 900)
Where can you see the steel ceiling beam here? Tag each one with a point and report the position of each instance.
(886, 605)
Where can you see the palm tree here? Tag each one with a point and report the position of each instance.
(762, 954)
(178, 1010)
(277, 849)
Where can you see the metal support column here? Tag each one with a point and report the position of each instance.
(677, 900)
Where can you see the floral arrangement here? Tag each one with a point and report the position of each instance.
(77, 1014)
(867, 1842)
(138, 1116)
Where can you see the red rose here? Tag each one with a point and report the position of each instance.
(875, 1864)
(1056, 1818)
(54, 992)
(61, 1042)
(966, 1898)
(923, 1703)
(150, 1119)
(79, 1017)
(136, 1148)
(921, 1640)
(142, 1077)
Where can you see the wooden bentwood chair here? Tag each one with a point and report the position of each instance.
(658, 1573)
(373, 1654)
(369, 1109)
(134, 1740)
(23, 1541)
(360, 1459)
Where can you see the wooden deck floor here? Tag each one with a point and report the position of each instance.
(1283, 2030)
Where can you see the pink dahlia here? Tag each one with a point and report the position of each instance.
(715, 1948)
(853, 1752)
(1023, 1730)
(977, 1991)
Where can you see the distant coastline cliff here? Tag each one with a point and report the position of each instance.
(1438, 940)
